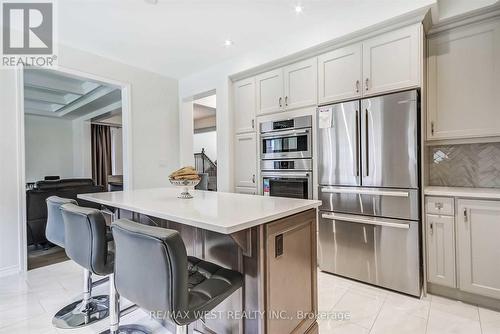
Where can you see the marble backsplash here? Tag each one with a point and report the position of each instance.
(468, 165)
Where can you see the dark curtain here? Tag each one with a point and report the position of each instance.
(101, 154)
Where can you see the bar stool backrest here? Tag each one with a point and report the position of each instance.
(85, 234)
(150, 266)
(54, 230)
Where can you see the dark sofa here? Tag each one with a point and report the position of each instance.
(36, 207)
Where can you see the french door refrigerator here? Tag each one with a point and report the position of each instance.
(369, 167)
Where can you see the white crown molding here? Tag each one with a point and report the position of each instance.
(413, 17)
(481, 14)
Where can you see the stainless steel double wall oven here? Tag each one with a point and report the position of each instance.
(286, 157)
(369, 183)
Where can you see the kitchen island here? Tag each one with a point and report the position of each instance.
(271, 240)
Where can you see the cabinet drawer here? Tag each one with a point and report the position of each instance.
(440, 206)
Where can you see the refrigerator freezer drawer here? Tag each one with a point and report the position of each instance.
(383, 252)
(383, 202)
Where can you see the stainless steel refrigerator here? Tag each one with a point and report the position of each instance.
(369, 179)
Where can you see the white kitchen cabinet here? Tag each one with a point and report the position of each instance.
(478, 232)
(463, 67)
(392, 61)
(245, 160)
(301, 84)
(441, 250)
(270, 89)
(245, 190)
(244, 105)
(339, 74)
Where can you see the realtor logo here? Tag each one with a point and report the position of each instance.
(27, 28)
(28, 33)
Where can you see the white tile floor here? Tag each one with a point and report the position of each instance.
(28, 303)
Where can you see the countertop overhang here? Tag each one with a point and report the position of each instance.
(214, 211)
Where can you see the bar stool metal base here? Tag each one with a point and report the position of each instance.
(129, 329)
(76, 314)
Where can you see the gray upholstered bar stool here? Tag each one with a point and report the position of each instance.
(87, 244)
(74, 314)
(152, 269)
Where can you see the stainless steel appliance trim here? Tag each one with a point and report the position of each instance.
(285, 174)
(356, 160)
(367, 143)
(370, 221)
(298, 123)
(366, 192)
(288, 174)
(285, 133)
(299, 165)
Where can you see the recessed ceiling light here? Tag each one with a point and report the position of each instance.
(298, 9)
(228, 42)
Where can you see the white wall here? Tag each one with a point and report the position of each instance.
(208, 141)
(48, 147)
(154, 131)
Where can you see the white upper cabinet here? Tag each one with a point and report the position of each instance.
(245, 160)
(464, 82)
(244, 105)
(478, 227)
(392, 61)
(270, 97)
(339, 74)
(301, 82)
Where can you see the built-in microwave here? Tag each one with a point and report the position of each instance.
(286, 139)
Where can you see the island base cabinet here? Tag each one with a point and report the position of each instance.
(478, 227)
(290, 274)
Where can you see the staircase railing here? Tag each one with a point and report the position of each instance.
(204, 164)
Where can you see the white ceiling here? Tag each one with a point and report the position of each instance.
(56, 94)
(181, 37)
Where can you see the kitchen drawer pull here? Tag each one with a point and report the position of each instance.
(367, 192)
(365, 221)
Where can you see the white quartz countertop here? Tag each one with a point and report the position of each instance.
(486, 193)
(215, 211)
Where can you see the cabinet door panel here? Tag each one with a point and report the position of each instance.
(245, 160)
(392, 61)
(270, 92)
(339, 74)
(478, 227)
(441, 250)
(301, 82)
(244, 105)
(464, 82)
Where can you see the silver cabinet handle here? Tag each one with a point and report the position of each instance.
(357, 86)
(432, 128)
(286, 101)
(366, 83)
(279, 101)
(253, 124)
(365, 221)
(438, 205)
(466, 216)
(253, 178)
(432, 228)
(366, 192)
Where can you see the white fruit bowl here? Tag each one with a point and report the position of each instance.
(185, 184)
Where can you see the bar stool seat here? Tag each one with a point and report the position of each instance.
(152, 269)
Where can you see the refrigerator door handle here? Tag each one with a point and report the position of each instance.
(366, 192)
(356, 159)
(367, 144)
(365, 221)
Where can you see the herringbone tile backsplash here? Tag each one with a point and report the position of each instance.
(470, 165)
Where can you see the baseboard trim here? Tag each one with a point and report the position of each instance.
(9, 271)
(469, 298)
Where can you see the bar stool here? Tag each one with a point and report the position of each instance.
(152, 269)
(86, 243)
(69, 316)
